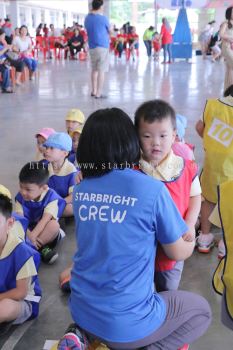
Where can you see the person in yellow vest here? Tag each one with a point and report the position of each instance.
(223, 277)
(217, 132)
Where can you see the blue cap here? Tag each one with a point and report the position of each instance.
(59, 140)
(181, 125)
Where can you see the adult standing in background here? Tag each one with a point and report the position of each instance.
(166, 38)
(226, 34)
(205, 37)
(147, 38)
(98, 27)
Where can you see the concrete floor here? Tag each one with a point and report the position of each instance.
(44, 102)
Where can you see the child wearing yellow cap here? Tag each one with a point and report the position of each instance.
(74, 119)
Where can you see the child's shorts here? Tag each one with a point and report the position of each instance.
(170, 279)
(26, 312)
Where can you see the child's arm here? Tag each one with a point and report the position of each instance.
(191, 217)
(34, 234)
(17, 293)
(200, 128)
(68, 199)
(179, 250)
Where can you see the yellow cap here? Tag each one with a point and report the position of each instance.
(5, 191)
(79, 130)
(75, 115)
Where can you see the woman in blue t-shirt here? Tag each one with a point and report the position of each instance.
(121, 214)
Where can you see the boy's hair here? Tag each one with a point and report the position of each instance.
(96, 4)
(108, 141)
(34, 173)
(154, 110)
(5, 206)
(229, 91)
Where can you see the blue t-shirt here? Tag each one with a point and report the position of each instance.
(119, 219)
(97, 27)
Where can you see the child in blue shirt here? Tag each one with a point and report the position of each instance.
(61, 172)
(42, 207)
(20, 291)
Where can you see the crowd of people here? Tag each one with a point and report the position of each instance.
(134, 192)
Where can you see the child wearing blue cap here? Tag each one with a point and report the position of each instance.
(180, 147)
(61, 171)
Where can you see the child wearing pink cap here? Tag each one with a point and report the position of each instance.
(41, 137)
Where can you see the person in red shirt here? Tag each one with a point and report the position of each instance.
(121, 40)
(166, 38)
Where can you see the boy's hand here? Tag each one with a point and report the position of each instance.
(190, 235)
(35, 240)
(78, 178)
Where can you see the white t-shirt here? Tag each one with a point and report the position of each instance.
(22, 45)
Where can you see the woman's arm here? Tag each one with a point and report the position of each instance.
(222, 32)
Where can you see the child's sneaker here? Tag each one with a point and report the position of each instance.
(48, 255)
(184, 347)
(221, 249)
(73, 339)
(205, 242)
(60, 236)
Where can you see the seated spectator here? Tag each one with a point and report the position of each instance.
(121, 40)
(23, 46)
(133, 40)
(39, 29)
(75, 43)
(7, 27)
(9, 59)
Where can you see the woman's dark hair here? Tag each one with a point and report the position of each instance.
(23, 26)
(5, 206)
(228, 91)
(154, 110)
(34, 173)
(228, 16)
(108, 141)
(96, 4)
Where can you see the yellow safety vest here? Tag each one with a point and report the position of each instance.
(218, 145)
(223, 276)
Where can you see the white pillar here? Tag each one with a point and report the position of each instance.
(60, 20)
(69, 19)
(14, 13)
(107, 8)
(28, 12)
(37, 17)
(2, 10)
(47, 17)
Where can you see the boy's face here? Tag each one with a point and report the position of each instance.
(5, 225)
(71, 125)
(156, 139)
(75, 140)
(40, 141)
(31, 192)
(54, 154)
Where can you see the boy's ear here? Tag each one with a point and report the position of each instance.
(10, 221)
(44, 187)
(174, 135)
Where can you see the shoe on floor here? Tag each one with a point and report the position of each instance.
(73, 339)
(48, 255)
(205, 242)
(101, 96)
(7, 91)
(184, 347)
(60, 236)
(221, 249)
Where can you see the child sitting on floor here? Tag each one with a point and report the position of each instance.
(61, 171)
(41, 137)
(20, 291)
(42, 207)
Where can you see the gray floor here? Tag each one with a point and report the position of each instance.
(44, 102)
